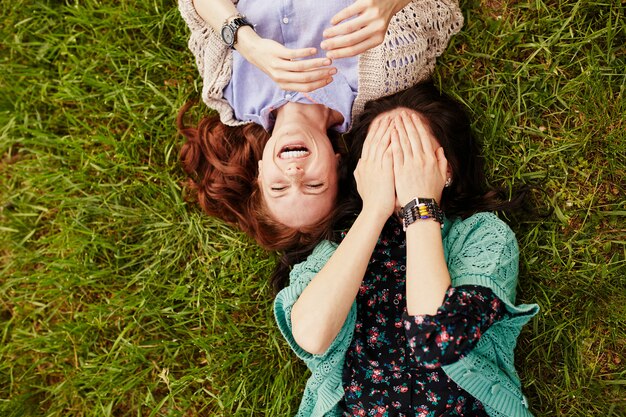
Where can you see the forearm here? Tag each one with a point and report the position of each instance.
(427, 276)
(467, 312)
(321, 310)
(215, 12)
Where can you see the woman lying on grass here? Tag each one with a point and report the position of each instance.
(412, 314)
(269, 163)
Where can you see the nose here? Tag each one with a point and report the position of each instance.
(294, 172)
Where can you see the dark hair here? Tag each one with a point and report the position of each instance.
(448, 121)
(222, 163)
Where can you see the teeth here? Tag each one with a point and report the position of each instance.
(293, 154)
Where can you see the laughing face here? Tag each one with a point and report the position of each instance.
(298, 175)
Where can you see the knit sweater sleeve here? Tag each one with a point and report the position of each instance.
(483, 251)
(213, 59)
(415, 37)
(323, 390)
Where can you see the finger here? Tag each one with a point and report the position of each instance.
(369, 138)
(383, 144)
(352, 10)
(348, 40)
(354, 50)
(425, 135)
(398, 155)
(304, 77)
(380, 136)
(286, 53)
(346, 27)
(415, 141)
(387, 162)
(304, 64)
(404, 139)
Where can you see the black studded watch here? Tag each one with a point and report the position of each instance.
(230, 28)
(421, 209)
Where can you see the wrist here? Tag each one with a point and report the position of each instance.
(420, 209)
(246, 39)
(231, 29)
(424, 228)
(406, 198)
(375, 215)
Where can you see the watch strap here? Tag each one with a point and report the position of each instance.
(421, 209)
(234, 22)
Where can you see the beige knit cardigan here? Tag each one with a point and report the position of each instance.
(416, 36)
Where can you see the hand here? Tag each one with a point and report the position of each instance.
(285, 66)
(374, 172)
(366, 30)
(419, 165)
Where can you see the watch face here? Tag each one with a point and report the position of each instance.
(228, 35)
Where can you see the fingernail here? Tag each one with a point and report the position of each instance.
(323, 45)
(330, 55)
(333, 71)
(329, 80)
(327, 62)
(312, 51)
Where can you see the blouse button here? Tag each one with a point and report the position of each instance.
(396, 301)
(285, 20)
(402, 268)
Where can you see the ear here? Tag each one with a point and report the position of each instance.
(338, 157)
(260, 167)
(444, 166)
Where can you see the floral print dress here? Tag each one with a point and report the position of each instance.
(393, 365)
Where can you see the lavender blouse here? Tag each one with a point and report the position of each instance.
(253, 95)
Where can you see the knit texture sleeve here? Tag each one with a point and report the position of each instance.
(324, 389)
(482, 250)
(213, 59)
(415, 37)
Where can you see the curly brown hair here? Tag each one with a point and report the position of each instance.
(222, 164)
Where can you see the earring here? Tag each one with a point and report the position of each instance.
(448, 182)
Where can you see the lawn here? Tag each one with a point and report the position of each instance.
(120, 298)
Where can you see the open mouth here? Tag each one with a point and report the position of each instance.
(294, 152)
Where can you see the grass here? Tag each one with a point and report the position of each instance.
(118, 298)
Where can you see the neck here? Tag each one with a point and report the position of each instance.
(316, 115)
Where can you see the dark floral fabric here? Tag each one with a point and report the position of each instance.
(393, 365)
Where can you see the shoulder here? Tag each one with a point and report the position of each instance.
(303, 272)
(300, 276)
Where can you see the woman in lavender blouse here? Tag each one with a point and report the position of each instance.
(287, 79)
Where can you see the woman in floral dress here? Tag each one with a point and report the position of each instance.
(412, 314)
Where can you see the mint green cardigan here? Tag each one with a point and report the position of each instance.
(480, 250)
